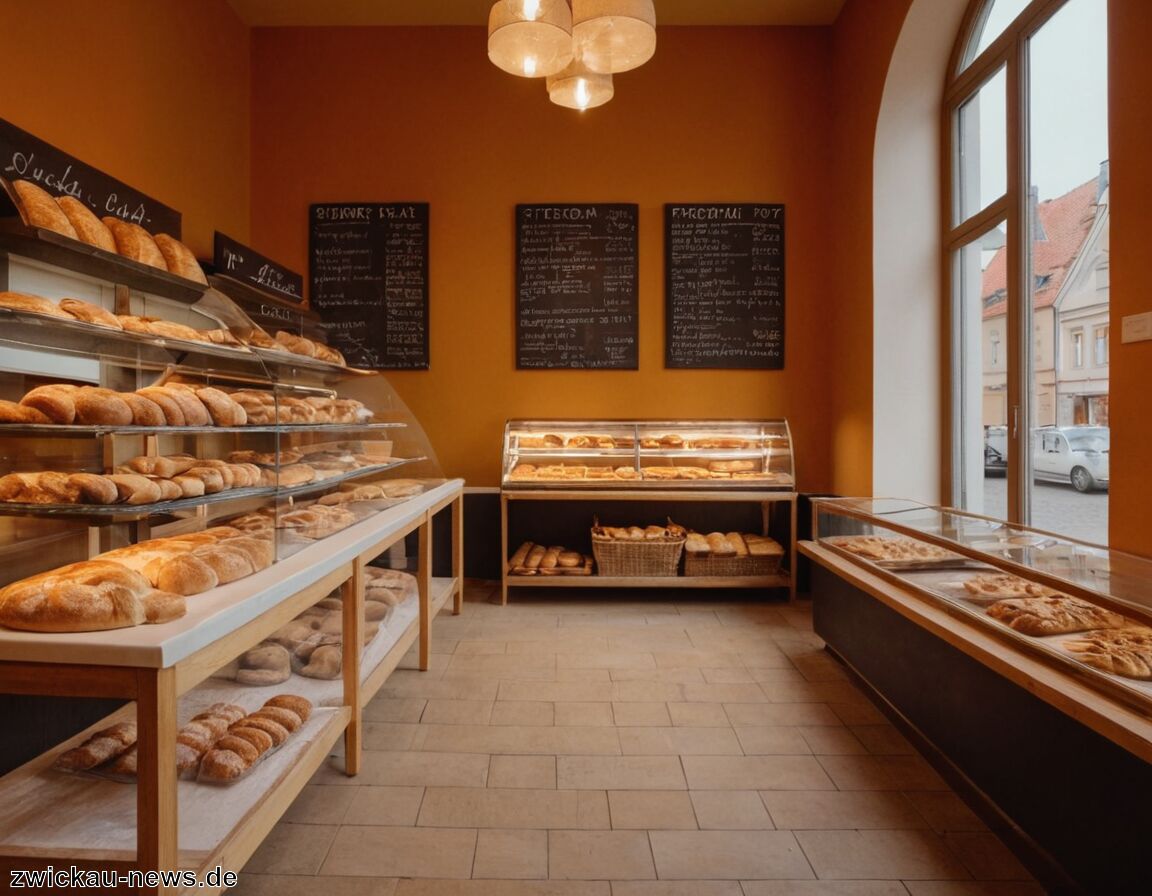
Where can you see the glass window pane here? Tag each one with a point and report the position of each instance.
(996, 16)
(981, 349)
(983, 142)
(1069, 198)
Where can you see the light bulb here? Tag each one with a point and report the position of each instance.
(531, 9)
(582, 97)
(529, 66)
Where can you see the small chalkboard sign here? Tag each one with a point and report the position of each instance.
(25, 157)
(724, 286)
(240, 262)
(576, 301)
(368, 273)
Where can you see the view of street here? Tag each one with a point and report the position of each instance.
(1055, 508)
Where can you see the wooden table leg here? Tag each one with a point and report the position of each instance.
(424, 581)
(458, 554)
(503, 550)
(157, 817)
(352, 594)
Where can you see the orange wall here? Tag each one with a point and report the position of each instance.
(719, 114)
(1130, 152)
(154, 93)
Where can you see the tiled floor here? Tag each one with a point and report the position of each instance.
(680, 747)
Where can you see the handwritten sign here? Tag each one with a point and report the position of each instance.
(240, 262)
(724, 286)
(25, 157)
(368, 270)
(576, 300)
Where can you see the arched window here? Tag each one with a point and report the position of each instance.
(1025, 239)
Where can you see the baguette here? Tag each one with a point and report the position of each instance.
(91, 314)
(535, 557)
(550, 558)
(88, 227)
(40, 210)
(521, 554)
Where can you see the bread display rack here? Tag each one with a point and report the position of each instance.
(682, 462)
(378, 455)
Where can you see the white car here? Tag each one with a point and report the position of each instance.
(1076, 454)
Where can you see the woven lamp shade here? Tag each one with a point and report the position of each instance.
(530, 38)
(578, 88)
(614, 35)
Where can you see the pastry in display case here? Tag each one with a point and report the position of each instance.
(1082, 607)
(647, 454)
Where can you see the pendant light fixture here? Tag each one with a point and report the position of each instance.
(614, 35)
(577, 45)
(530, 38)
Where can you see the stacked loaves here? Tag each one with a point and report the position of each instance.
(535, 559)
(667, 442)
(264, 408)
(295, 345)
(251, 738)
(142, 480)
(719, 469)
(70, 217)
(732, 544)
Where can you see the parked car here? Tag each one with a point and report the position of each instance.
(1067, 454)
(1076, 454)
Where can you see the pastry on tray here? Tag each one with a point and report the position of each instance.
(891, 548)
(1058, 614)
(1121, 651)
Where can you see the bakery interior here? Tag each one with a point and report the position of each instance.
(376, 676)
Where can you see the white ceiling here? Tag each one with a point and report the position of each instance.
(276, 13)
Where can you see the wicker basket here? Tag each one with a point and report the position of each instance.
(706, 565)
(651, 557)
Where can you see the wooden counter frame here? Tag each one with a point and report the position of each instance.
(156, 692)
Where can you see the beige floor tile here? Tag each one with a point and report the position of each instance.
(503, 888)
(728, 675)
(818, 666)
(911, 772)
(423, 769)
(612, 659)
(599, 855)
(883, 855)
(985, 856)
(583, 714)
(519, 712)
(882, 773)
(665, 810)
(474, 688)
(583, 676)
(748, 692)
(973, 888)
(824, 888)
(883, 739)
(679, 742)
(755, 773)
(305, 885)
(945, 811)
(534, 772)
(768, 740)
(834, 809)
(619, 773)
(648, 691)
(640, 714)
(503, 665)
(476, 807)
(676, 888)
(791, 714)
(522, 739)
(728, 855)
(730, 810)
(457, 712)
(700, 659)
(552, 692)
(387, 806)
(511, 855)
(698, 715)
(293, 849)
(675, 675)
(407, 709)
(467, 647)
(858, 713)
(771, 674)
(401, 852)
(320, 805)
(828, 740)
(559, 645)
(390, 735)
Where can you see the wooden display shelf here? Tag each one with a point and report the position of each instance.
(764, 498)
(154, 666)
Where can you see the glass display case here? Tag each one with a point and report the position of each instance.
(648, 454)
(1082, 607)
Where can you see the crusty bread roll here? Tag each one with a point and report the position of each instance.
(89, 596)
(186, 574)
(135, 489)
(179, 258)
(134, 242)
(738, 544)
(56, 402)
(273, 729)
(324, 663)
(299, 705)
(265, 664)
(173, 414)
(224, 409)
(227, 562)
(99, 748)
(88, 227)
(261, 740)
(230, 712)
(91, 314)
(101, 407)
(14, 412)
(40, 209)
(19, 301)
(145, 412)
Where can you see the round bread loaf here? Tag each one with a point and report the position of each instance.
(56, 402)
(40, 209)
(88, 227)
(102, 407)
(91, 314)
(222, 765)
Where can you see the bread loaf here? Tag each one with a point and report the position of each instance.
(55, 402)
(720, 545)
(265, 664)
(166, 466)
(171, 409)
(101, 407)
(40, 209)
(145, 412)
(299, 705)
(134, 242)
(179, 258)
(296, 344)
(135, 489)
(697, 545)
(224, 410)
(738, 544)
(88, 227)
(19, 301)
(99, 748)
(13, 412)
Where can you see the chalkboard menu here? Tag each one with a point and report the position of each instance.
(724, 286)
(25, 157)
(576, 300)
(368, 269)
(240, 262)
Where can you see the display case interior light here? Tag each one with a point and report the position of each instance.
(578, 88)
(614, 36)
(530, 38)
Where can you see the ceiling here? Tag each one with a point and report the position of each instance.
(279, 13)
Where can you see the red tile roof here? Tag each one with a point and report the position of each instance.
(1065, 222)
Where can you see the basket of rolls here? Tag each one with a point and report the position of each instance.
(636, 550)
(731, 554)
